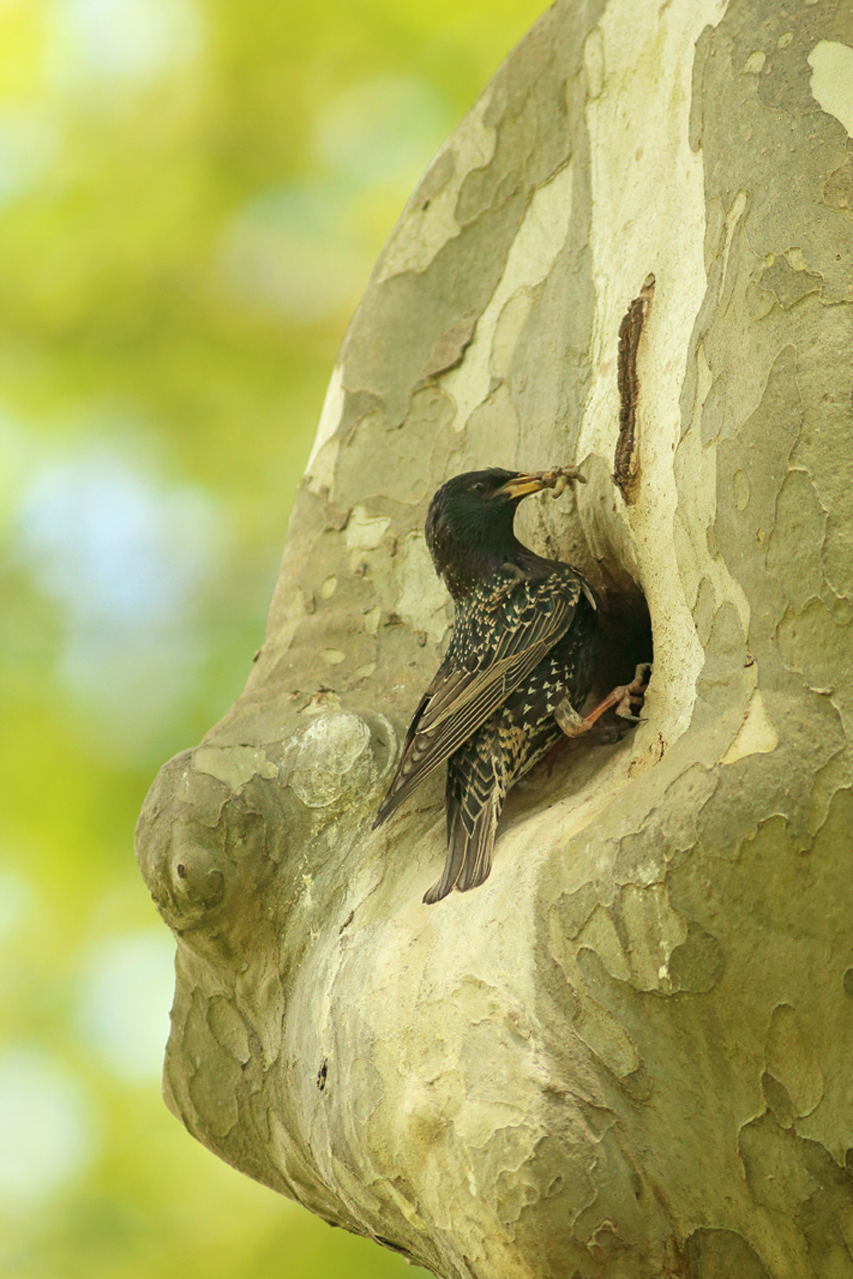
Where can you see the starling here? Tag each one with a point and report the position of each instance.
(519, 666)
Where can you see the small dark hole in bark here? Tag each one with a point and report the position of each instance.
(182, 870)
(321, 1074)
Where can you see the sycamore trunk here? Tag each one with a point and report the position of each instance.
(628, 1053)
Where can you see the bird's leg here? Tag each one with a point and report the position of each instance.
(623, 697)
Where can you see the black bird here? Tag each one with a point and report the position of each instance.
(519, 666)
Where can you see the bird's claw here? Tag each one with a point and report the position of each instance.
(623, 697)
(633, 694)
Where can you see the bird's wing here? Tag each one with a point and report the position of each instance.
(459, 699)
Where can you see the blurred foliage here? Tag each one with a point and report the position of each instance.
(192, 193)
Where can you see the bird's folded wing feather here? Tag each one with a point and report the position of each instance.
(459, 700)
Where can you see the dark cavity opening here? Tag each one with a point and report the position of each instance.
(626, 636)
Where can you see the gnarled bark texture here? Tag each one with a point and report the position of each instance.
(630, 1052)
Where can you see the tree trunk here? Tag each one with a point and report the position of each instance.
(628, 1053)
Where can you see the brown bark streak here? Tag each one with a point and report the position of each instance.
(626, 462)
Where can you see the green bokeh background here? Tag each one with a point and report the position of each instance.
(192, 194)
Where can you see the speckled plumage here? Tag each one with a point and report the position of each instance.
(525, 637)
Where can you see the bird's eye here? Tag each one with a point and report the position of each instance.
(479, 487)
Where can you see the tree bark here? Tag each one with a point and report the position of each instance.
(628, 1053)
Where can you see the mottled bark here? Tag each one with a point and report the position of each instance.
(629, 1053)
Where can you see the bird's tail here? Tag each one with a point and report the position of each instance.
(472, 823)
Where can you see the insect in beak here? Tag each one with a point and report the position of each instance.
(534, 481)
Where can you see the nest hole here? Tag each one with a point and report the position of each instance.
(626, 637)
(572, 764)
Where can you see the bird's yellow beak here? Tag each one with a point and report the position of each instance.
(533, 481)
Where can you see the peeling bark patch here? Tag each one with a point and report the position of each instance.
(718, 1253)
(795, 1176)
(449, 350)
(794, 549)
(229, 1029)
(757, 735)
(832, 80)
(605, 1037)
(644, 855)
(233, 765)
(212, 1087)
(422, 600)
(530, 259)
(815, 645)
(334, 519)
(740, 490)
(435, 179)
(787, 284)
(365, 532)
(571, 911)
(791, 1061)
(697, 964)
(626, 464)
(652, 932)
(330, 417)
(838, 190)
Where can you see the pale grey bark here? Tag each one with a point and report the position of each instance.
(628, 1053)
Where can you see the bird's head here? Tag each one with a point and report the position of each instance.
(469, 525)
